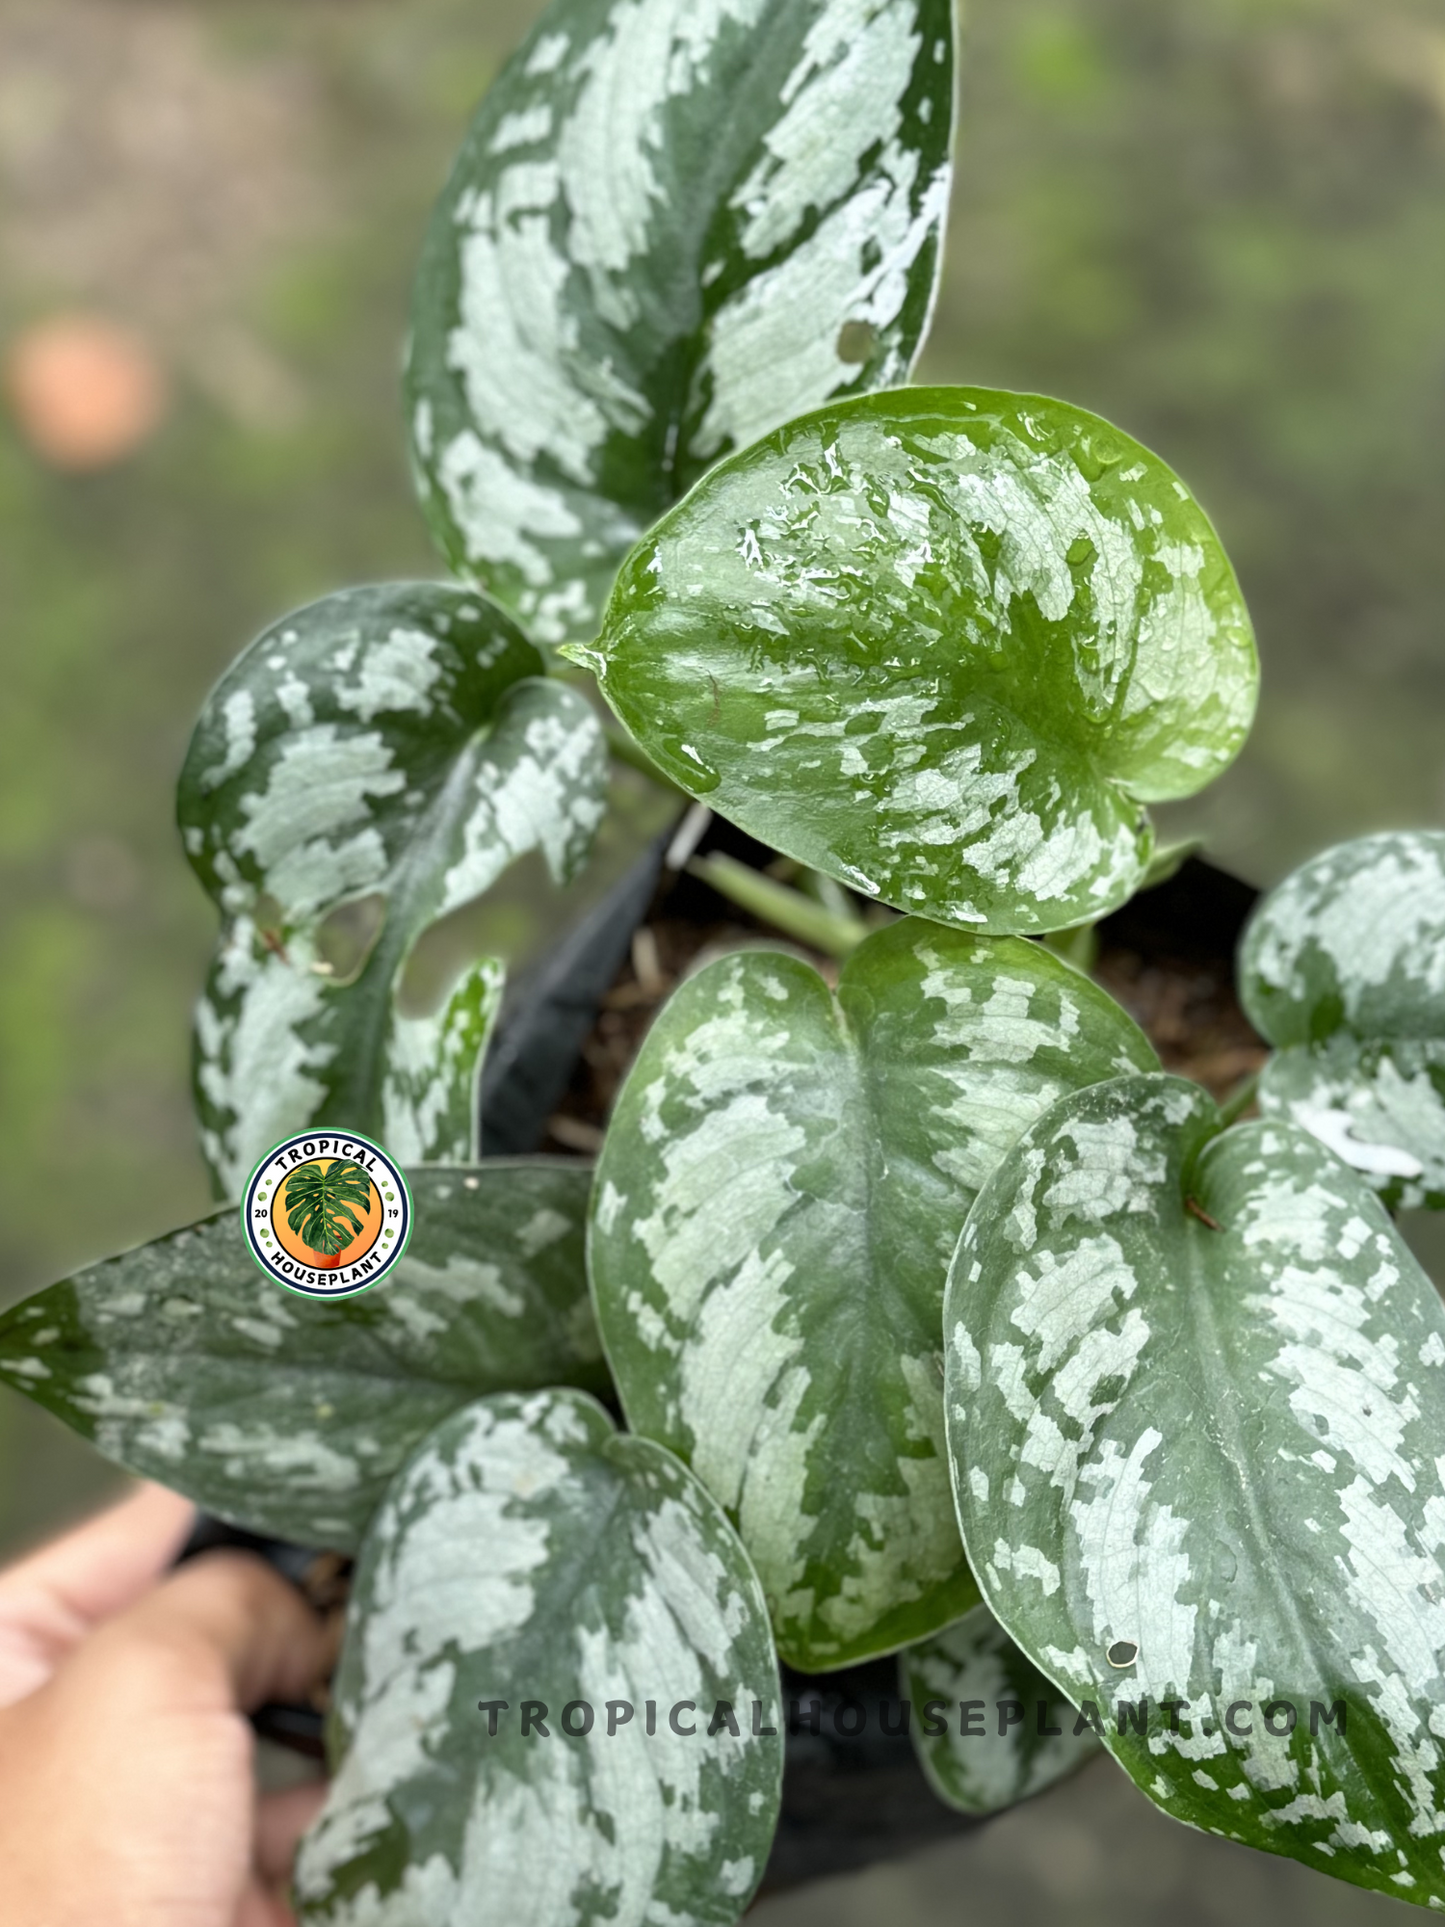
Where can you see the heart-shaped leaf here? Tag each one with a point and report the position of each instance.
(782, 1184)
(1008, 1732)
(184, 1363)
(671, 228)
(1196, 1409)
(1343, 968)
(392, 740)
(530, 1554)
(941, 644)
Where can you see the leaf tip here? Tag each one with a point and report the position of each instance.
(585, 654)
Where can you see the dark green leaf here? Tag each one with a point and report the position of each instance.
(782, 1185)
(391, 740)
(1196, 1409)
(1343, 967)
(288, 1415)
(942, 645)
(671, 227)
(974, 1669)
(528, 1552)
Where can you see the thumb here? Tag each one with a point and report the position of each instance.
(227, 1630)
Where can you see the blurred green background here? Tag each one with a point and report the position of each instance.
(1220, 222)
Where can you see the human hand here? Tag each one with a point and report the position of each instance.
(127, 1796)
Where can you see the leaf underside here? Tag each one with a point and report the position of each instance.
(941, 644)
(395, 740)
(1214, 1452)
(528, 1551)
(184, 1363)
(1343, 969)
(671, 227)
(1001, 1759)
(782, 1185)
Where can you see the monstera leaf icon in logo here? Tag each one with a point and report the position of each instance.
(321, 1205)
(326, 1215)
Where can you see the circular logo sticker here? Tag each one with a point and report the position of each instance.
(326, 1215)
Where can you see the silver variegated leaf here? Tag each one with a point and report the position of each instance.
(782, 1184)
(672, 226)
(528, 1552)
(1343, 969)
(942, 644)
(1009, 1732)
(394, 740)
(184, 1363)
(1196, 1411)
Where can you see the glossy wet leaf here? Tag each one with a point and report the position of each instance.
(1020, 1736)
(671, 227)
(783, 1182)
(1343, 969)
(184, 1363)
(399, 741)
(528, 1552)
(941, 644)
(1200, 1468)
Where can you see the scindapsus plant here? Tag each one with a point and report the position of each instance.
(941, 1321)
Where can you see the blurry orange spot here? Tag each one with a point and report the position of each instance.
(85, 391)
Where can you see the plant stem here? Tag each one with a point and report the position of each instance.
(787, 909)
(1169, 859)
(1240, 1098)
(1078, 946)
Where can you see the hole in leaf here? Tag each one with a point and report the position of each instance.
(346, 936)
(856, 342)
(1122, 1653)
(524, 914)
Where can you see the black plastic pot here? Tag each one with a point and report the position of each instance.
(852, 1794)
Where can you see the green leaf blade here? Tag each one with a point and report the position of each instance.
(1200, 1462)
(781, 1185)
(941, 644)
(1379, 1106)
(288, 1416)
(396, 740)
(1341, 969)
(989, 1768)
(528, 1551)
(669, 230)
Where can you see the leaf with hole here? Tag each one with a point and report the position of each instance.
(1342, 968)
(943, 645)
(671, 227)
(395, 741)
(1196, 1412)
(530, 1556)
(184, 1363)
(1008, 1732)
(782, 1184)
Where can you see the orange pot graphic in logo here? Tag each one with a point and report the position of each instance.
(327, 1214)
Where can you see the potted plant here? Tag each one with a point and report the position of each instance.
(944, 1322)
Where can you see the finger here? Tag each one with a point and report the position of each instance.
(281, 1819)
(260, 1907)
(228, 1619)
(102, 1566)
